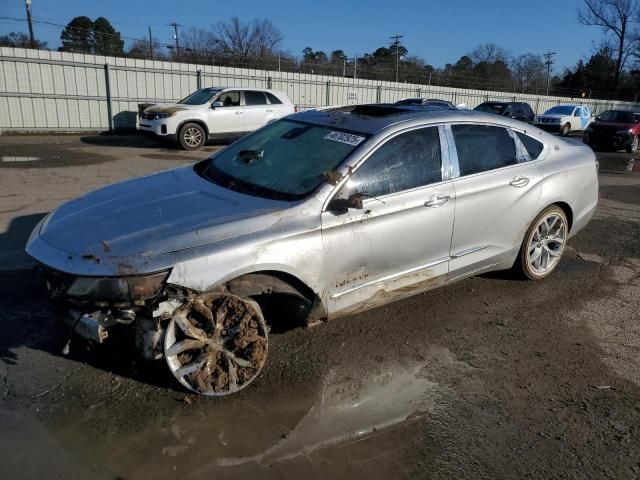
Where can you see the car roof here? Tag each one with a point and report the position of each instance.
(372, 118)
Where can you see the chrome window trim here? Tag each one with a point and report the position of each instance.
(453, 152)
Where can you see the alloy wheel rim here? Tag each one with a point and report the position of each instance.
(546, 244)
(634, 144)
(216, 344)
(192, 137)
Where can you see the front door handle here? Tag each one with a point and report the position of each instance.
(437, 200)
(238, 112)
(269, 110)
(519, 181)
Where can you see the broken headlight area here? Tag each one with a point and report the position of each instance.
(92, 305)
(127, 291)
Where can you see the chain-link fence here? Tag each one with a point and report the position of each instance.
(56, 91)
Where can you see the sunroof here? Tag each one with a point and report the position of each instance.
(376, 110)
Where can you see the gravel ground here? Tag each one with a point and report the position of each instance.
(486, 378)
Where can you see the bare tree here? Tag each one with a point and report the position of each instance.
(616, 17)
(529, 71)
(490, 53)
(259, 38)
(199, 45)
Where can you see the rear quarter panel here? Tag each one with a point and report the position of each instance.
(570, 176)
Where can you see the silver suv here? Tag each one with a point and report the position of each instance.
(317, 216)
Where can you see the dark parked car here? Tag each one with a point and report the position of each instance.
(517, 110)
(614, 129)
(426, 102)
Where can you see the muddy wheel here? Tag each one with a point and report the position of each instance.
(191, 136)
(543, 244)
(216, 344)
(564, 131)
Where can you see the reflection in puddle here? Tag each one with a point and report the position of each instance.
(616, 164)
(338, 417)
(349, 409)
(19, 159)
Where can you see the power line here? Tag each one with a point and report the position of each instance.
(548, 62)
(175, 37)
(396, 40)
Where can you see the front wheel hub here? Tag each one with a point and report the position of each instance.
(216, 344)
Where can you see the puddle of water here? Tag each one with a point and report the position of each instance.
(19, 159)
(339, 417)
(347, 410)
(618, 165)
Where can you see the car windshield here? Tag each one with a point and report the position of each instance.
(617, 116)
(285, 160)
(561, 110)
(199, 97)
(497, 108)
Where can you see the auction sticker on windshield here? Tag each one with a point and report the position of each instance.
(347, 138)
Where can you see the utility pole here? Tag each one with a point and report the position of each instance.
(175, 36)
(150, 44)
(548, 62)
(355, 67)
(344, 66)
(396, 42)
(32, 39)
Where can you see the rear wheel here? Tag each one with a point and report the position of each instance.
(634, 145)
(191, 136)
(543, 244)
(566, 128)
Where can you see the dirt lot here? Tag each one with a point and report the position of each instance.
(488, 378)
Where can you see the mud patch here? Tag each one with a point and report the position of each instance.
(34, 156)
(621, 193)
(217, 344)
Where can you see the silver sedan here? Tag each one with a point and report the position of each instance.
(316, 216)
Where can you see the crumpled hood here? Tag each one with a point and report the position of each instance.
(160, 213)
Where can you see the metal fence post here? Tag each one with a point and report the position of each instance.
(199, 79)
(269, 83)
(328, 99)
(108, 92)
(378, 94)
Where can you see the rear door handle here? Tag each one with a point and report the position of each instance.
(437, 200)
(238, 112)
(269, 110)
(519, 181)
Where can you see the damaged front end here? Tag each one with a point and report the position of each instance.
(93, 305)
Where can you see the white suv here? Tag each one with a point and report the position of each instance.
(215, 112)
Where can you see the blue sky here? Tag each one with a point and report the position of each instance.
(438, 31)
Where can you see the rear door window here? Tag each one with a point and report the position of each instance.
(482, 148)
(251, 98)
(534, 147)
(407, 161)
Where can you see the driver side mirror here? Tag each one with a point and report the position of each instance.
(342, 205)
(215, 105)
(507, 114)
